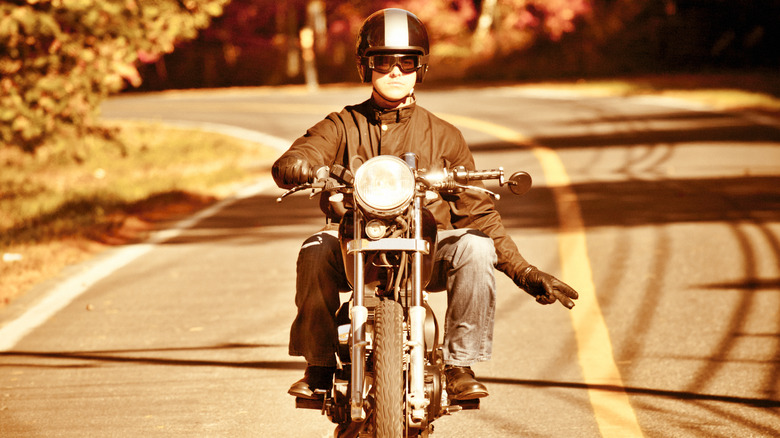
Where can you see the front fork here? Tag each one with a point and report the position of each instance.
(417, 315)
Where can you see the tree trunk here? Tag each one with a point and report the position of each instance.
(484, 24)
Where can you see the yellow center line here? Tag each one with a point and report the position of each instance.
(614, 414)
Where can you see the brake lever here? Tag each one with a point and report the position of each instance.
(316, 187)
(295, 189)
(493, 195)
(453, 187)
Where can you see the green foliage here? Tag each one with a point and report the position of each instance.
(59, 59)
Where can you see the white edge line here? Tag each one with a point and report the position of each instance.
(67, 291)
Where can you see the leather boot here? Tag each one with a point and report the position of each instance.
(314, 378)
(462, 384)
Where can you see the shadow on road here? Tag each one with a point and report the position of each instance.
(258, 219)
(676, 395)
(643, 202)
(143, 357)
(702, 128)
(93, 359)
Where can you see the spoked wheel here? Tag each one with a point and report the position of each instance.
(388, 370)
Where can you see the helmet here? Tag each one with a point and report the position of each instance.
(392, 31)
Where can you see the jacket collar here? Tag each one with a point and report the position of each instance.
(379, 115)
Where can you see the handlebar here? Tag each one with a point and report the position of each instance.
(458, 178)
(453, 180)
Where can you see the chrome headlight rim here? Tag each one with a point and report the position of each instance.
(396, 173)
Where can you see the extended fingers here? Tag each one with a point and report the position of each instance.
(565, 294)
(565, 300)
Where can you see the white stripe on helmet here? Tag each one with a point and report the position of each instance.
(396, 28)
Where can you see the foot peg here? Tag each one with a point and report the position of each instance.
(309, 403)
(465, 404)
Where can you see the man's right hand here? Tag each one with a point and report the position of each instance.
(292, 171)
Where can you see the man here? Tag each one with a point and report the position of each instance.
(392, 54)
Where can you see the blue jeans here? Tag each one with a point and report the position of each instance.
(463, 266)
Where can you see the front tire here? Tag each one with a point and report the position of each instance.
(388, 370)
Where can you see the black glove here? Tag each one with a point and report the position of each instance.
(290, 171)
(546, 288)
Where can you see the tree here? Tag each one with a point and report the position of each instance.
(59, 59)
(257, 42)
(464, 28)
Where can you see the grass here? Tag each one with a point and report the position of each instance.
(69, 201)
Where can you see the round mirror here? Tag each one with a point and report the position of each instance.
(520, 182)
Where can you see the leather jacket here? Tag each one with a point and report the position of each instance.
(362, 131)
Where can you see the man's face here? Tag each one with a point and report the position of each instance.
(394, 86)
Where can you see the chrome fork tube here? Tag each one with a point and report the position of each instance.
(359, 315)
(417, 312)
(417, 262)
(417, 315)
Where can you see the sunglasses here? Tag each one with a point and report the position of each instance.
(385, 63)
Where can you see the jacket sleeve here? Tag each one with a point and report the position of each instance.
(318, 146)
(477, 210)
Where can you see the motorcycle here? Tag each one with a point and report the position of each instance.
(389, 381)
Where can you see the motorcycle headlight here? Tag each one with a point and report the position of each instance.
(384, 185)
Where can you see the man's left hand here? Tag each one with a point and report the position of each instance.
(546, 288)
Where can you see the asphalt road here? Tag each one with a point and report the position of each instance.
(665, 215)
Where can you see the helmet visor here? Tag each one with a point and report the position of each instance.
(385, 63)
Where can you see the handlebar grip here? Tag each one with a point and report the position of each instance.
(464, 176)
(342, 174)
(486, 174)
